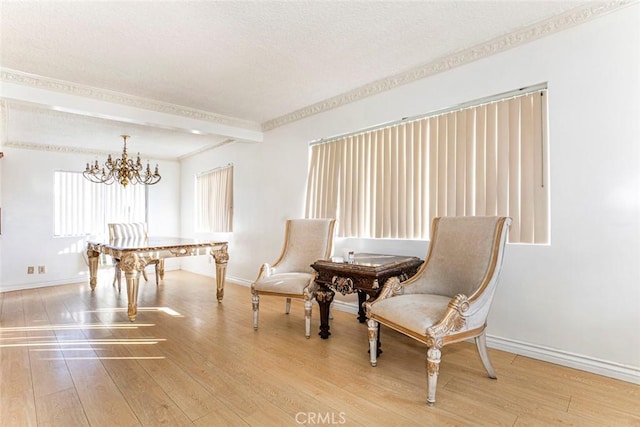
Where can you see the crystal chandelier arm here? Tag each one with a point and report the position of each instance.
(122, 170)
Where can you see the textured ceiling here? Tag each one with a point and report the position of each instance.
(250, 60)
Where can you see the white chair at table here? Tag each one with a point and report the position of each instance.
(129, 230)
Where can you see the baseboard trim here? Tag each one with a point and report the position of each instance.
(559, 357)
(564, 358)
(26, 286)
(68, 281)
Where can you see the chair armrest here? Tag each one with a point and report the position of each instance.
(453, 320)
(391, 287)
(265, 271)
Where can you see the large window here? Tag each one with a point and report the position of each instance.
(214, 200)
(85, 208)
(487, 158)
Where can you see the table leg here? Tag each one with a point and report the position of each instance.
(132, 265)
(221, 256)
(92, 256)
(161, 268)
(324, 296)
(362, 316)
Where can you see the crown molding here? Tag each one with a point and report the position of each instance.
(70, 150)
(13, 105)
(18, 77)
(499, 44)
(208, 148)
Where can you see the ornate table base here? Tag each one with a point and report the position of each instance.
(365, 275)
(135, 254)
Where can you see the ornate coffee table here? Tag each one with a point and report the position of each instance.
(366, 276)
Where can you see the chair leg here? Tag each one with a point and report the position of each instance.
(433, 367)
(255, 299)
(481, 344)
(308, 306)
(372, 326)
(117, 276)
(157, 276)
(287, 306)
(144, 274)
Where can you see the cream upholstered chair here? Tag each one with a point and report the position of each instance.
(448, 299)
(129, 230)
(291, 276)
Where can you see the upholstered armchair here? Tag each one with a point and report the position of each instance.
(130, 230)
(291, 276)
(448, 299)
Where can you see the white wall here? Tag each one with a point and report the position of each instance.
(575, 301)
(27, 223)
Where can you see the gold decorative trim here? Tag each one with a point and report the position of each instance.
(452, 321)
(19, 77)
(500, 44)
(433, 361)
(344, 285)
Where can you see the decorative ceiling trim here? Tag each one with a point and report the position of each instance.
(70, 150)
(78, 118)
(204, 149)
(499, 44)
(19, 77)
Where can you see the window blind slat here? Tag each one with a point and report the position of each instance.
(214, 201)
(488, 159)
(85, 208)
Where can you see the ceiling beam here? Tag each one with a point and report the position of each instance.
(121, 107)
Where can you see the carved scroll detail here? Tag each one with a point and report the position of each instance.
(221, 255)
(344, 285)
(131, 262)
(453, 321)
(181, 252)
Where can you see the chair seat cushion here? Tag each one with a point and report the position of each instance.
(415, 312)
(285, 283)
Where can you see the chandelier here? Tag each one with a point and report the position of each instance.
(123, 170)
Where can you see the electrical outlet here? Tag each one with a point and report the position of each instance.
(30, 269)
(42, 269)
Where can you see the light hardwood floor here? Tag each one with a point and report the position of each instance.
(70, 357)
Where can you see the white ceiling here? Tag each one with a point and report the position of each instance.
(240, 65)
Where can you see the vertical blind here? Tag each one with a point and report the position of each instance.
(214, 200)
(82, 207)
(488, 159)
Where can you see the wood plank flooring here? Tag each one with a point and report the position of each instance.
(70, 357)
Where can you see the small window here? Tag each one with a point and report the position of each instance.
(214, 201)
(85, 208)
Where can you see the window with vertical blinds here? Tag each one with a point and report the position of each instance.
(214, 200)
(85, 208)
(484, 159)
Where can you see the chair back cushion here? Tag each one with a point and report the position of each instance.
(306, 241)
(127, 230)
(463, 255)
